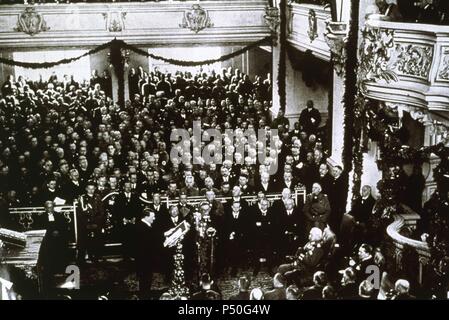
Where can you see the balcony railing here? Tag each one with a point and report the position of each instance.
(406, 63)
(401, 242)
(306, 28)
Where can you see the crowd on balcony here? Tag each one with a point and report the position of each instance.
(61, 139)
(422, 11)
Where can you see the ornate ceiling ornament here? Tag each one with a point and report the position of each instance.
(196, 19)
(336, 36)
(31, 22)
(313, 26)
(115, 21)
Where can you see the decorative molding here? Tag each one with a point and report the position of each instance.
(376, 54)
(155, 23)
(31, 22)
(313, 25)
(443, 73)
(272, 18)
(115, 21)
(336, 38)
(413, 60)
(196, 19)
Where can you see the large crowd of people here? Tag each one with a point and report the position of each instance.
(70, 142)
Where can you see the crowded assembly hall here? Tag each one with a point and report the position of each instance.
(224, 150)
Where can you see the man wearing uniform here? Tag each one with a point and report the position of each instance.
(316, 209)
(91, 218)
(307, 259)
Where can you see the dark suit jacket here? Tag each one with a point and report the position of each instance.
(240, 296)
(148, 249)
(313, 293)
(271, 187)
(206, 295)
(275, 294)
(349, 291)
(362, 209)
(127, 209)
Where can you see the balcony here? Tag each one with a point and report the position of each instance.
(406, 63)
(306, 27)
(401, 243)
(155, 23)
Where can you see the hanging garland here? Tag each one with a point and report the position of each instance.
(281, 80)
(46, 65)
(116, 45)
(183, 63)
(350, 92)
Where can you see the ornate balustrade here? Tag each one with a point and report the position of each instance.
(148, 23)
(402, 242)
(406, 64)
(306, 29)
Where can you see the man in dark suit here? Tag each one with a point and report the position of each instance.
(225, 176)
(291, 225)
(325, 179)
(363, 206)
(244, 292)
(315, 292)
(72, 190)
(278, 292)
(160, 211)
(363, 260)
(361, 211)
(51, 191)
(264, 184)
(310, 118)
(245, 188)
(53, 252)
(237, 197)
(206, 292)
(262, 227)
(288, 182)
(349, 289)
(235, 230)
(185, 209)
(337, 199)
(128, 211)
(148, 252)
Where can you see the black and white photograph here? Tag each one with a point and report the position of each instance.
(230, 150)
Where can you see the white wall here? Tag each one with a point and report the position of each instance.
(298, 94)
